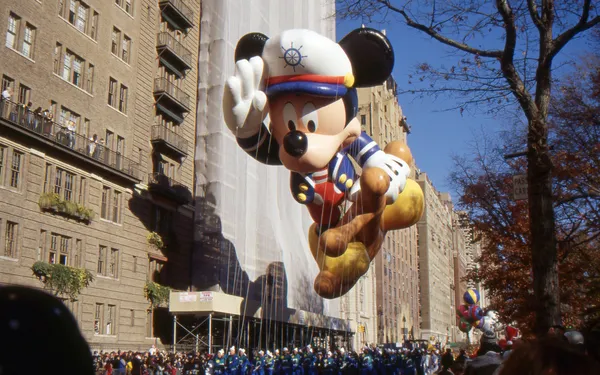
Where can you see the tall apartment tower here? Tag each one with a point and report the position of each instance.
(100, 177)
(396, 265)
(436, 264)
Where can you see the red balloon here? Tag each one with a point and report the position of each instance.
(462, 311)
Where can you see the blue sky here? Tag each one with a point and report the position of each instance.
(436, 135)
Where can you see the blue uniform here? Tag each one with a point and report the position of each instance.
(219, 368)
(259, 366)
(232, 365)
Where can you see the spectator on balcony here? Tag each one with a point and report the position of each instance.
(28, 115)
(92, 149)
(71, 133)
(5, 105)
(48, 117)
(37, 120)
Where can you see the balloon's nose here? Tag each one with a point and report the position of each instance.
(295, 143)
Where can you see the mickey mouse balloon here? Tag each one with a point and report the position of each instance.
(307, 83)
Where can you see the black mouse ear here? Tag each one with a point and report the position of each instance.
(250, 45)
(371, 55)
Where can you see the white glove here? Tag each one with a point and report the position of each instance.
(244, 102)
(396, 168)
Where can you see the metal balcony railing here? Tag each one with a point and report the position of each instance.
(167, 40)
(162, 85)
(185, 12)
(162, 133)
(36, 123)
(157, 178)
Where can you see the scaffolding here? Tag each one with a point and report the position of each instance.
(209, 321)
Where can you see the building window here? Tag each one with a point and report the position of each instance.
(113, 263)
(81, 190)
(98, 318)
(105, 199)
(108, 262)
(123, 99)
(111, 319)
(135, 264)
(69, 181)
(64, 250)
(155, 267)
(101, 260)
(82, 16)
(115, 40)
(110, 136)
(15, 169)
(28, 41)
(94, 26)
(126, 5)
(120, 145)
(110, 208)
(116, 209)
(2, 163)
(60, 248)
(67, 116)
(112, 90)
(10, 239)
(79, 16)
(48, 179)
(131, 317)
(57, 58)
(12, 32)
(90, 79)
(162, 220)
(126, 46)
(363, 120)
(78, 253)
(73, 68)
(24, 94)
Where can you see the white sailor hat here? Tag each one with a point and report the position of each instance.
(302, 60)
(221, 351)
(232, 348)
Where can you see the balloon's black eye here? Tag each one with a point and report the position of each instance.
(311, 126)
(291, 125)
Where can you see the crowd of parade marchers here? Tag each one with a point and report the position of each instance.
(298, 361)
(557, 354)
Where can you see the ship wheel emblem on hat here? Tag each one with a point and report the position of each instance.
(292, 56)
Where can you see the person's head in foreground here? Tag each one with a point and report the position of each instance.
(549, 356)
(33, 322)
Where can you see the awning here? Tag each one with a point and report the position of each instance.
(159, 257)
(171, 67)
(174, 116)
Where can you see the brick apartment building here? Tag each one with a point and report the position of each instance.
(396, 265)
(117, 81)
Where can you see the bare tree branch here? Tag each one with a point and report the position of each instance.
(533, 13)
(581, 26)
(507, 61)
(439, 37)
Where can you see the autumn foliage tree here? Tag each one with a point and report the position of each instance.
(486, 185)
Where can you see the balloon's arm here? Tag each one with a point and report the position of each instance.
(341, 172)
(261, 146)
(363, 149)
(302, 187)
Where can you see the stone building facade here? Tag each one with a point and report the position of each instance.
(436, 264)
(116, 83)
(396, 265)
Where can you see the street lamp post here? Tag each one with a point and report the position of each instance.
(404, 326)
